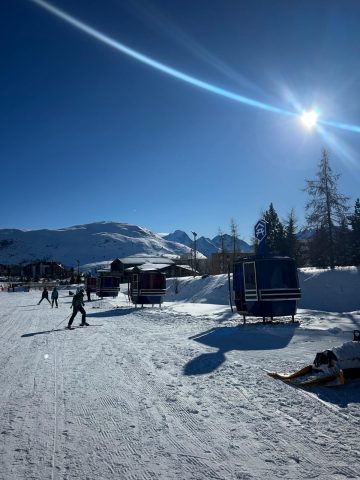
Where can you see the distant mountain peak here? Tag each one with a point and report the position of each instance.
(88, 243)
(208, 246)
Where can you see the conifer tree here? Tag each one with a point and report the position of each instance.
(292, 244)
(355, 234)
(275, 240)
(234, 236)
(326, 207)
(318, 248)
(222, 250)
(343, 244)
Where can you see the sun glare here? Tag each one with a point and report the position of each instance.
(309, 118)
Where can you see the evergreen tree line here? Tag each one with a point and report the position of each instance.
(333, 228)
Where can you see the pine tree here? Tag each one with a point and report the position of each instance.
(343, 244)
(292, 244)
(318, 248)
(275, 240)
(355, 234)
(234, 236)
(222, 251)
(326, 207)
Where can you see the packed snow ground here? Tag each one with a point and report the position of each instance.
(175, 393)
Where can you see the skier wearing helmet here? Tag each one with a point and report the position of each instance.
(78, 306)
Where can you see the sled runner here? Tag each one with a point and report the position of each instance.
(310, 376)
(330, 367)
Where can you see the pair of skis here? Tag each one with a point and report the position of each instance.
(81, 326)
(309, 376)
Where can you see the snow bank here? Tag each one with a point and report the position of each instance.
(348, 354)
(328, 290)
(212, 289)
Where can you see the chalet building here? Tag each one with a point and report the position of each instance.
(44, 270)
(123, 267)
(10, 270)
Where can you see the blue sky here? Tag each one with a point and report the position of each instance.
(89, 133)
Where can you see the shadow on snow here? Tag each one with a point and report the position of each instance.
(257, 336)
(116, 312)
(44, 332)
(340, 395)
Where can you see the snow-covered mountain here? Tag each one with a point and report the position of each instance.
(241, 245)
(305, 233)
(89, 243)
(180, 237)
(207, 246)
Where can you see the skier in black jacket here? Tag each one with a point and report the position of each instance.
(78, 306)
(45, 294)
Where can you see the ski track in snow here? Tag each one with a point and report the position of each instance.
(146, 395)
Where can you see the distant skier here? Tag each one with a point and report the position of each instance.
(54, 297)
(78, 306)
(45, 294)
(88, 293)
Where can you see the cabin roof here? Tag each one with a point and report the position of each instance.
(185, 267)
(146, 267)
(144, 260)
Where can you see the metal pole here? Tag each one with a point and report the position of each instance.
(194, 266)
(229, 286)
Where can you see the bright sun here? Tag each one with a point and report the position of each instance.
(309, 118)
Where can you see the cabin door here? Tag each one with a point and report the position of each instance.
(250, 284)
(135, 285)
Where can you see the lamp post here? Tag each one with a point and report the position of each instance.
(78, 271)
(194, 264)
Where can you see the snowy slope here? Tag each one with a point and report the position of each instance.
(87, 243)
(206, 246)
(177, 393)
(330, 290)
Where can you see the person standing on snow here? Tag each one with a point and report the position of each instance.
(54, 297)
(78, 306)
(88, 293)
(45, 294)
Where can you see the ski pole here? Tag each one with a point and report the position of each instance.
(68, 316)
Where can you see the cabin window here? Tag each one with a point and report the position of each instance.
(279, 274)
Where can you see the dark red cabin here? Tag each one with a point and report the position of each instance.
(147, 287)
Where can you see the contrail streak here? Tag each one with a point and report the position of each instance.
(155, 64)
(342, 126)
(177, 73)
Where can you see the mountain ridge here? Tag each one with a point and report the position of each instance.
(209, 246)
(88, 243)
